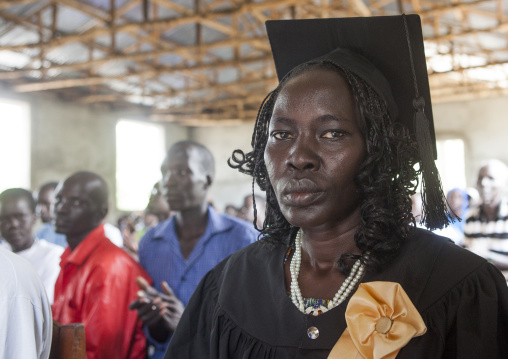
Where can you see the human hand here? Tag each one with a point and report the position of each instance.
(160, 312)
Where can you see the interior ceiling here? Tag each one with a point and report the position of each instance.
(208, 61)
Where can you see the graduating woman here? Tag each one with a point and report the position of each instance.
(340, 271)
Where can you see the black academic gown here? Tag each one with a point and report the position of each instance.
(241, 308)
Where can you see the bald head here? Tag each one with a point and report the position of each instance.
(202, 155)
(81, 203)
(187, 173)
(94, 186)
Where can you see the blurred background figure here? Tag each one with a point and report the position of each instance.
(128, 224)
(231, 210)
(486, 227)
(97, 279)
(17, 217)
(26, 324)
(179, 251)
(246, 212)
(157, 209)
(416, 209)
(45, 197)
(458, 200)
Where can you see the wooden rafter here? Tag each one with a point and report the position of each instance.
(239, 49)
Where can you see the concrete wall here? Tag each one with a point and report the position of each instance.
(67, 138)
(482, 124)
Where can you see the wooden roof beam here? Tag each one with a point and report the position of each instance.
(79, 82)
(166, 24)
(86, 8)
(147, 55)
(441, 9)
(9, 3)
(175, 7)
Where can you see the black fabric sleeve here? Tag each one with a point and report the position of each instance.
(192, 336)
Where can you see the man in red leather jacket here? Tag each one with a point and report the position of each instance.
(97, 279)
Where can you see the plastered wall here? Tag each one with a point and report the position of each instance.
(482, 124)
(67, 138)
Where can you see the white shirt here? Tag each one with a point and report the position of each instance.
(113, 234)
(45, 258)
(26, 325)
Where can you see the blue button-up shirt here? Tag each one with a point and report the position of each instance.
(161, 257)
(47, 232)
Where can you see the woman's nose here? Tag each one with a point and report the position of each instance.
(303, 155)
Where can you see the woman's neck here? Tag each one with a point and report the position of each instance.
(322, 249)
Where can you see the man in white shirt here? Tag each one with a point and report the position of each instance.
(17, 217)
(25, 313)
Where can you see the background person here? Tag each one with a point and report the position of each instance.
(486, 228)
(178, 252)
(97, 279)
(17, 217)
(45, 197)
(26, 326)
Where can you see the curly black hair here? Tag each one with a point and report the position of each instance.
(386, 180)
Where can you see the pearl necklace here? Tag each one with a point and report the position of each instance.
(344, 291)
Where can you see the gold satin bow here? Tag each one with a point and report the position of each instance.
(381, 319)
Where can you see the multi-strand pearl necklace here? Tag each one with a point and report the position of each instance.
(344, 291)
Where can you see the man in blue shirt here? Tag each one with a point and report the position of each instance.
(182, 249)
(44, 198)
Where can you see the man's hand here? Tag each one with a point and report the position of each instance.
(160, 312)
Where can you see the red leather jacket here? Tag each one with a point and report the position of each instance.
(95, 286)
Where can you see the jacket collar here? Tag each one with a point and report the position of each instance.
(80, 254)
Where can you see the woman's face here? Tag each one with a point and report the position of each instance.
(315, 149)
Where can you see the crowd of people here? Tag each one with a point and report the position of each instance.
(330, 264)
(480, 214)
(129, 294)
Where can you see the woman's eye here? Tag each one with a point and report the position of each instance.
(333, 134)
(281, 135)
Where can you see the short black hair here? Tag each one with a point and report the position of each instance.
(15, 193)
(207, 161)
(48, 185)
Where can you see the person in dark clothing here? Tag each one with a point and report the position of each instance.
(341, 271)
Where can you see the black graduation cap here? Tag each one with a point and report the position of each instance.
(380, 40)
(388, 53)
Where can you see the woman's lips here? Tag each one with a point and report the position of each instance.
(301, 199)
(300, 192)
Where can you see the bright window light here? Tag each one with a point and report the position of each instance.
(450, 163)
(140, 150)
(14, 144)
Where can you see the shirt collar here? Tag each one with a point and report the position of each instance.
(79, 255)
(217, 223)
